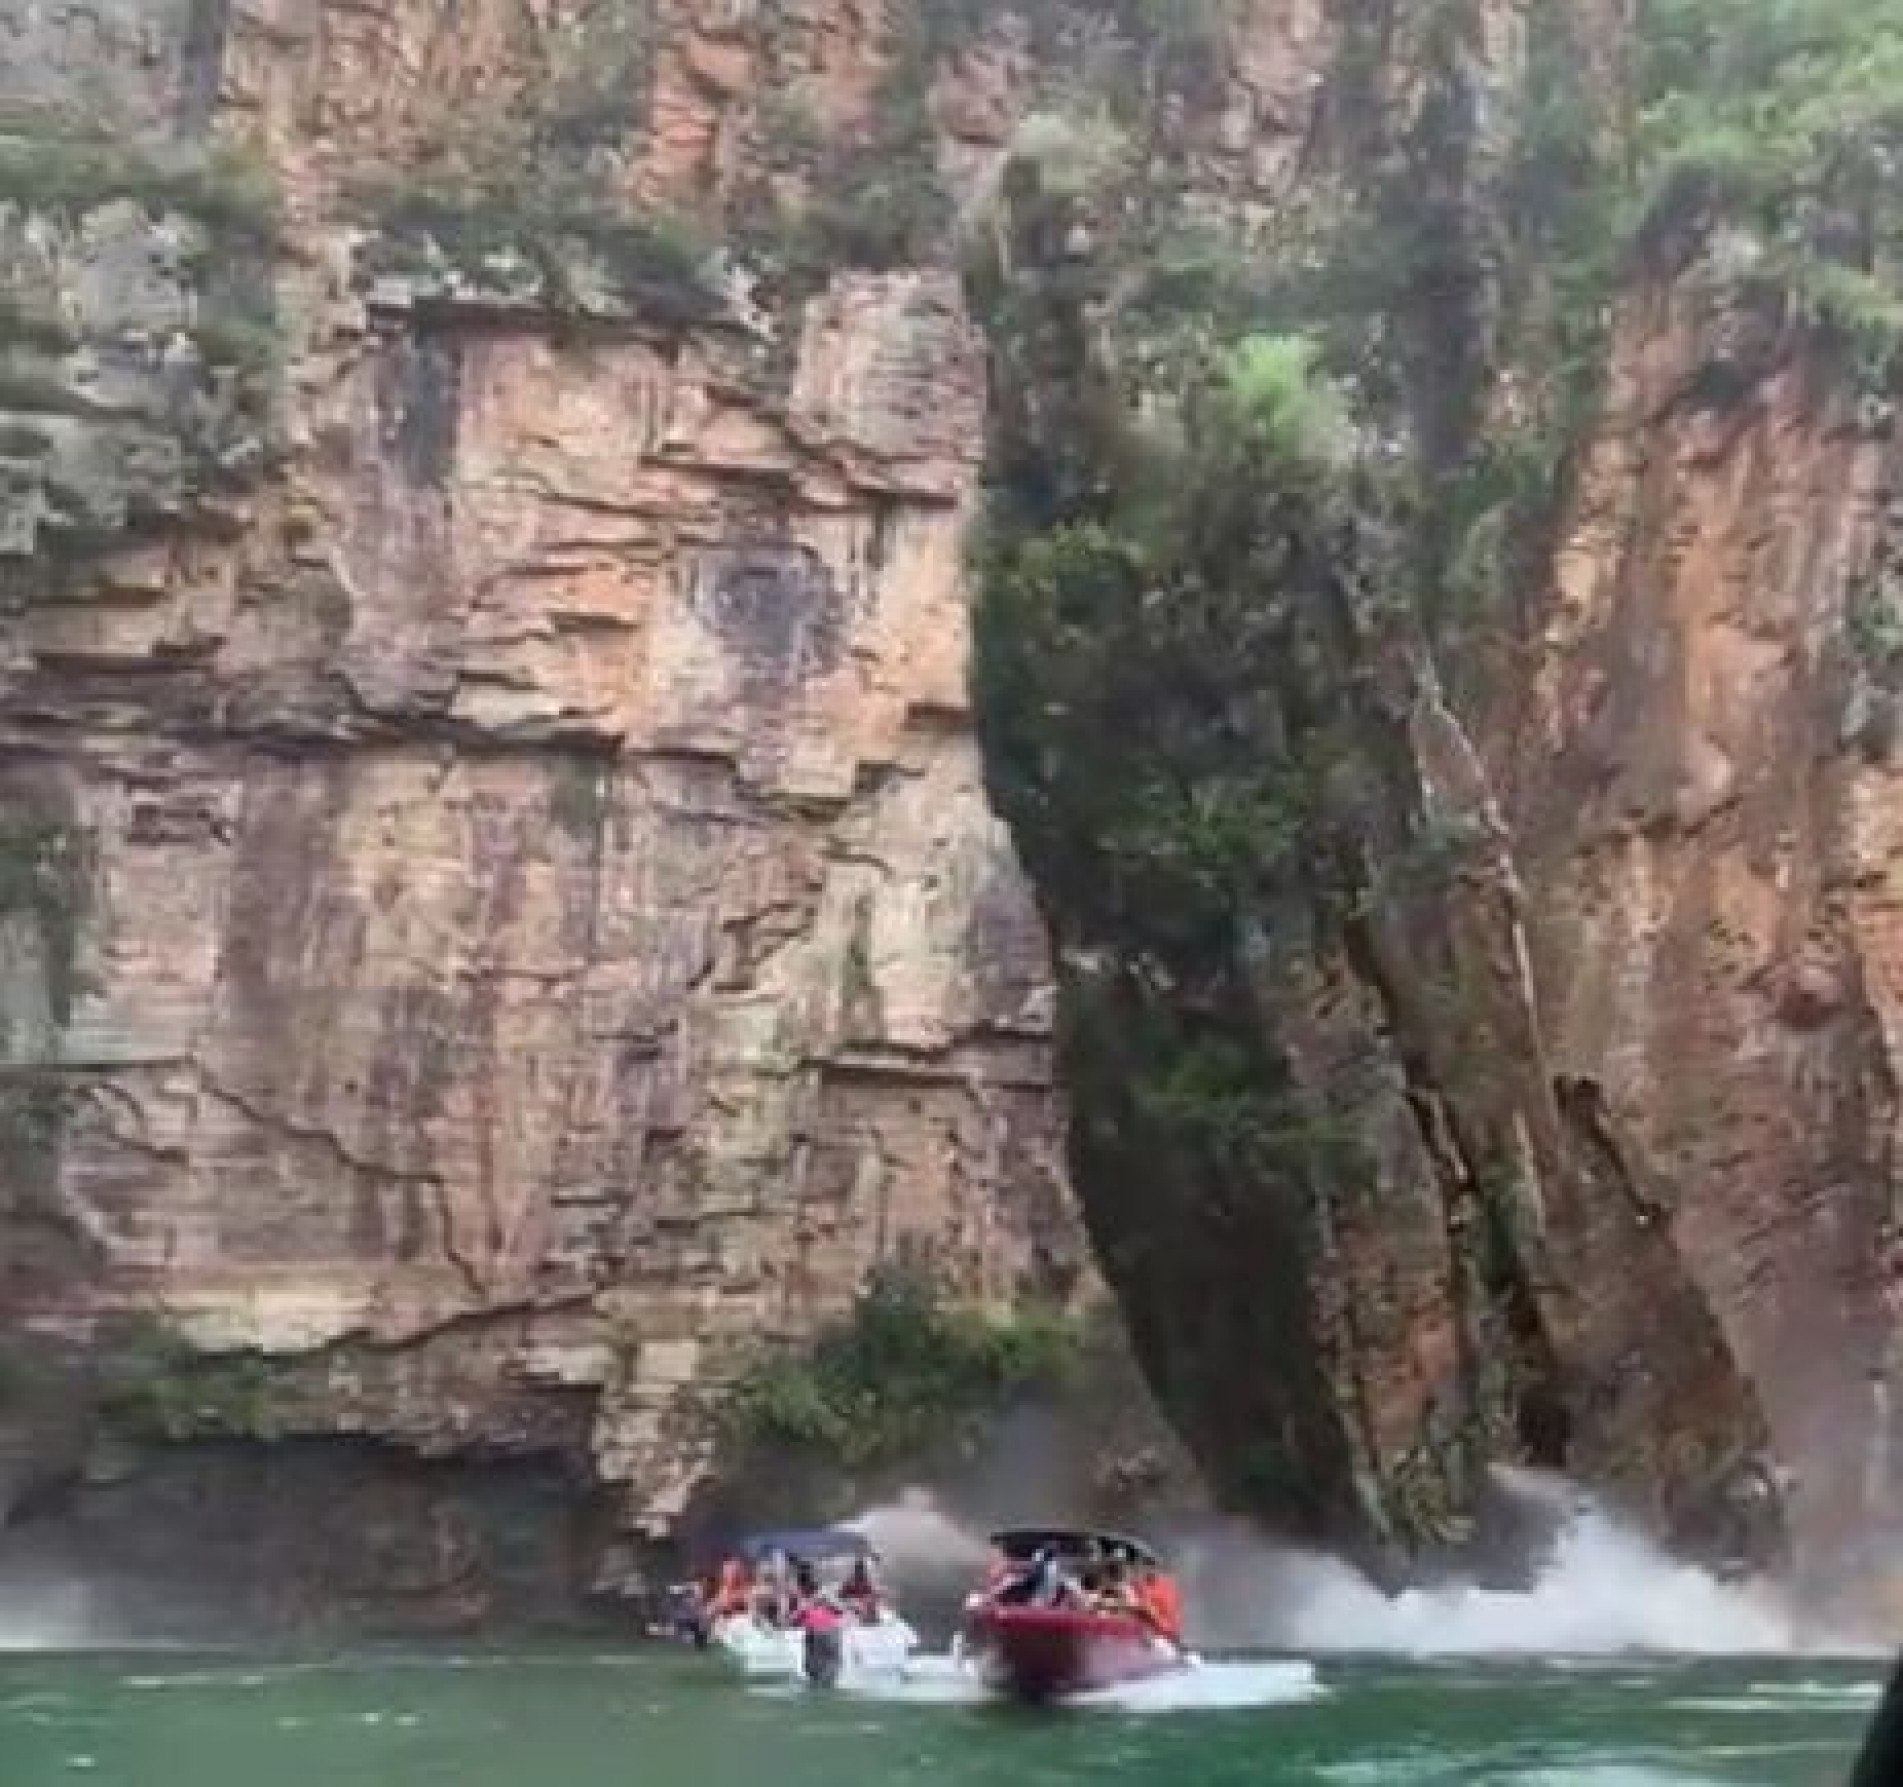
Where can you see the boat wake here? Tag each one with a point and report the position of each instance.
(1215, 1687)
(1211, 1687)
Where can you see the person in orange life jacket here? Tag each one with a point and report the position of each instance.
(730, 1591)
(1159, 1602)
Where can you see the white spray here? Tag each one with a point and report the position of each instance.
(1605, 1590)
(914, 1535)
(37, 1616)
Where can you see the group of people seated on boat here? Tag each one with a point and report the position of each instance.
(1138, 1587)
(788, 1593)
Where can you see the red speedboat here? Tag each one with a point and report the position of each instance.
(1038, 1634)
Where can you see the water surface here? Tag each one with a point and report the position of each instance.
(568, 1719)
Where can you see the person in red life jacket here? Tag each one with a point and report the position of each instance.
(860, 1593)
(814, 1609)
(820, 1619)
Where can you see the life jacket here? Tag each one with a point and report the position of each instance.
(731, 1594)
(1162, 1605)
(820, 1614)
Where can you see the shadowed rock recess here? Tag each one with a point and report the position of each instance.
(506, 925)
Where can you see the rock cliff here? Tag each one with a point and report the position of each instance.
(1434, 661)
(500, 909)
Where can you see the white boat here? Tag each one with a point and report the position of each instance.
(760, 1650)
(857, 1648)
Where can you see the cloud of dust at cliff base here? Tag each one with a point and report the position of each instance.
(915, 1537)
(1604, 1591)
(47, 1614)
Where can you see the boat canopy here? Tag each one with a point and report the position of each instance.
(816, 1545)
(1073, 1544)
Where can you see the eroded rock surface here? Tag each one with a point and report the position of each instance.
(499, 909)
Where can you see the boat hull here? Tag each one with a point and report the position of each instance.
(763, 1651)
(1040, 1654)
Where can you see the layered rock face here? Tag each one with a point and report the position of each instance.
(499, 910)
(499, 904)
(1701, 779)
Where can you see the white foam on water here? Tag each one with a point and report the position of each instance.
(927, 1680)
(1435, 1768)
(1607, 1774)
(1210, 1687)
(1215, 1687)
(1857, 1697)
(206, 1678)
(1606, 1591)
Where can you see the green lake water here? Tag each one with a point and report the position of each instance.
(595, 1719)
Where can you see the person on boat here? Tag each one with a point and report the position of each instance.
(1112, 1592)
(812, 1606)
(820, 1616)
(731, 1592)
(693, 1613)
(860, 1593)
(1038, 1584)
(772, 1593)
(1159, 1602)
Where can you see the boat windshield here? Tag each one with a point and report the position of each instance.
(825, 1545)
(1072, 1545)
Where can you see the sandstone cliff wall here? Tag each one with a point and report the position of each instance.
(499, 908)
(1702, 784)
(498, 903)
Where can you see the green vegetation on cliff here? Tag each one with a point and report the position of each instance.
(126, 412)
(524, 197)
(580, 250)
(60, 168)
(1165, 577)
(1781, 123)
(45, 896)
(44, 878)
(875, 196)
(154, 1384)
(907, 1376)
